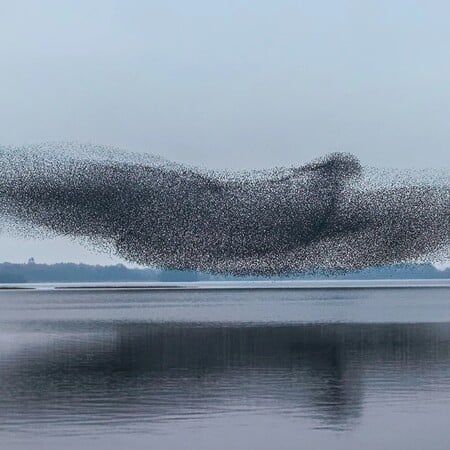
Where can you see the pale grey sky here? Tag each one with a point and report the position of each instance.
(235, 84)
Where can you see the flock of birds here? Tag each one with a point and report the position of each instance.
(332, 214)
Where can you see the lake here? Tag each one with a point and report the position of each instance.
(338, 367)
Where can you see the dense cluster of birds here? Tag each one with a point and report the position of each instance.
(331, 214)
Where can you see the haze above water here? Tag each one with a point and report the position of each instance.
(267, 369)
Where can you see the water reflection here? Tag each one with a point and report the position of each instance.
(82, 376)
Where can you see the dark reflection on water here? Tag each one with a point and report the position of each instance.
(165, 371)
(95, 377)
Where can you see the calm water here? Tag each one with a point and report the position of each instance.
(341, 369)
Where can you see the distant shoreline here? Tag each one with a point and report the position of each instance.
(32, 272)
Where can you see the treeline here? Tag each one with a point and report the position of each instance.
(70, 272)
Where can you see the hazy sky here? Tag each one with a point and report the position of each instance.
(235, 84)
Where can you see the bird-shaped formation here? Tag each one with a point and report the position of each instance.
(331, 214)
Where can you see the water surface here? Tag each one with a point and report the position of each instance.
(265, 369)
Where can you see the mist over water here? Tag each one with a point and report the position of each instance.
(141, 370)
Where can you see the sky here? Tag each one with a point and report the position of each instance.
(236, 84)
